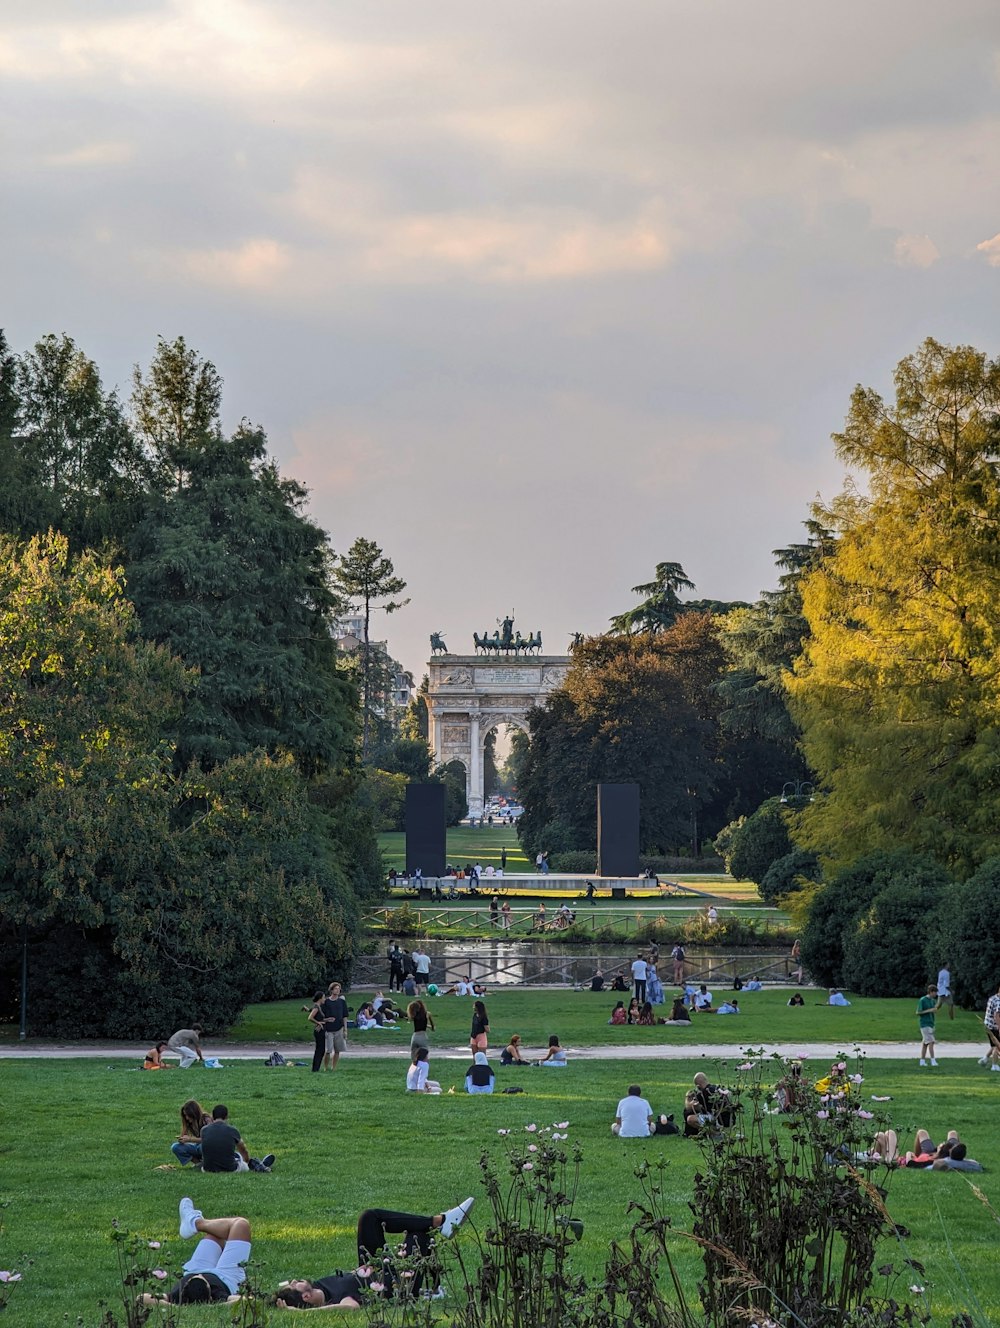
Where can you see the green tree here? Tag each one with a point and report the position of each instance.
(661, 604)
(367, 579)
(640, 709)
(966, 931)
(897, 689)
(456, 805)
(161, 895)
(758, 842)
(884, 950)
(797, 870)
(229, 573)
(839, 907)
(176, 408)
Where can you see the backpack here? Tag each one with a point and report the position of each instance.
(275, 1059)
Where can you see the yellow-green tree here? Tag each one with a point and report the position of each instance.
(898, 690)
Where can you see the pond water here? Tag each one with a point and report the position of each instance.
(499, 963)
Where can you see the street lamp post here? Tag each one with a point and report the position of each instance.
(798, 789)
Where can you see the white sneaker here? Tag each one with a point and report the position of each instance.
(189, 1215)
(454, 1217)
(933, 1061)
(994, 1066)
(922, 1061)
(984, 1060)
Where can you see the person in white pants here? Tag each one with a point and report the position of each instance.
(186, 1042)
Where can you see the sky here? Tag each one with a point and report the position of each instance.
(536, 295)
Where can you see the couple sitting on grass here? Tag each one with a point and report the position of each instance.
(216, 1272)
(952, 1155)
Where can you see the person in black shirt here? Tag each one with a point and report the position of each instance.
(223, 1149)
(335, 1025)
(345, 1290)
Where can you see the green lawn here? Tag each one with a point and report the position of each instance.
(464, 845)
(84, 1139)
(580, 1019)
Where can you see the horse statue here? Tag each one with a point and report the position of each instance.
(438, 646)
(483, 643)
(576, 641)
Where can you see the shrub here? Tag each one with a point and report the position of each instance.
(761, 840)
(884, 951)
(966, 930)
(839, 904)
(788, 875)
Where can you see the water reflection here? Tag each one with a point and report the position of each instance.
(497, 963)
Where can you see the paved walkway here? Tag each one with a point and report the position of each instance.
(246, 1051)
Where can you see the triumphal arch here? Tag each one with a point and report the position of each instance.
(470, 695)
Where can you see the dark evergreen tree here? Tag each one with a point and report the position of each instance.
(230, 574)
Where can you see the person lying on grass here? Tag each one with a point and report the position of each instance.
(345, 1291)
(215, 1270)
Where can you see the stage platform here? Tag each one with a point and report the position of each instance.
(554, 885)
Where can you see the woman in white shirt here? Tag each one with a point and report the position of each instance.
(416, 1076)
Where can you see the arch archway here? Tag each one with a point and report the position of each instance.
(469, 695)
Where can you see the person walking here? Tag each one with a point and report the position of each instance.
(503, 859)
(505, 915)
(480, 1027)
(991, 1022)
(945, 995)
(927, 1008)
(639, 972)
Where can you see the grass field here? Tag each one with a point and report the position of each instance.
(84, 1140)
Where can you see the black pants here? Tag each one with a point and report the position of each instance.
(375, 1224)
(319, 1051)
(640, 990)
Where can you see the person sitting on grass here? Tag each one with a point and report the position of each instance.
(345, 1291)
(729, 1007)
(154, 1058)
(416, 1076)
(223, 1149)
(790, 1092)
(618, 1015)
(703, 1000)
(646, 1016)
(837, 997)
(479, 1077)
(706, 1107)
(215, 1270)
(634, 1118)
(679, 1013)
(619, 983)
(511, 1054)
(555, 1056)
(634, 1010)
(836, 1083)
(187, 1147)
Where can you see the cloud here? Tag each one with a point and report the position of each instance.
(107, 153)
(991, 248)
(916, 251)
(256, 264)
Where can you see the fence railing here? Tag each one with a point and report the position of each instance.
(530, 922)
(502, 968)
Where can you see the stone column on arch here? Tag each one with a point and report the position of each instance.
(475, 783)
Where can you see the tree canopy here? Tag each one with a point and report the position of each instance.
(898, 687)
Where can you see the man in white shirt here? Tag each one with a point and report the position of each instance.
(634, 1117)
(945, 994)
(639, 974)
(422, 967)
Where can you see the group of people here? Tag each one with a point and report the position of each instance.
(216, 1270)
(707, 1108)
(207, 1140)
